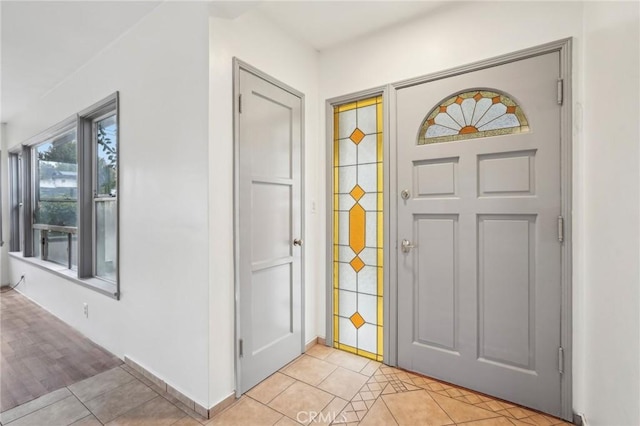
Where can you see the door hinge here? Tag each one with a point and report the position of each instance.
(240, 104)
(560, 91)
(561, 360)
(240, 348)
(561, 229)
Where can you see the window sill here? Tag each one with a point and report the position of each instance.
(96, 284)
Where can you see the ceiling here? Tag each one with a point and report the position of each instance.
(324, 24)
(43, 42)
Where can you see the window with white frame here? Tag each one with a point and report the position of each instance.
(64, 197)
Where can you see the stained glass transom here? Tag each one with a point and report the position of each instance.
(473, 114)
(358, 231)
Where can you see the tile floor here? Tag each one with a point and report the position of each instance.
(324, 386)
(120, 396)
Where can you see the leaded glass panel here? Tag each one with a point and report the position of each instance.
(358, 232)
(473, 114)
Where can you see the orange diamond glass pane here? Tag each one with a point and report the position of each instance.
(357, 320)
(357, 192)
(357, 136)
(357, 264)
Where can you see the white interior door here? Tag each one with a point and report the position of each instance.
(269, 227)
(479, 294)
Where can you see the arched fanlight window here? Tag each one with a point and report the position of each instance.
(472, 114)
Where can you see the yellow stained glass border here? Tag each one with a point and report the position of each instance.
(361, 352)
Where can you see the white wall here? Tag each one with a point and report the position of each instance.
(454, 34)
(4, 186)
(611, 205)
(263, 45)
(160, 67)
(605, 175)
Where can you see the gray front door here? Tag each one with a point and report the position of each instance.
(270, 219)
(479, 257)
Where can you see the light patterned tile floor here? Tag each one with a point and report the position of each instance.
(322, 387)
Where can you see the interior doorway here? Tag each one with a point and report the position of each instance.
(269, 250)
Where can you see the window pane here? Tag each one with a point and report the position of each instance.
(57, 248)
(74, 252)
(20, 205)
(56, 185)
(107, 156)
(37, 243)
(473, 114)
(106, 242)
(17, 217)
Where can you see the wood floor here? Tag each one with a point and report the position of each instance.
(39, 353)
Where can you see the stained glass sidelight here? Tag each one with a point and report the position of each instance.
(358, 227)
(472, 114)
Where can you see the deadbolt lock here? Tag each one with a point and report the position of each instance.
(405, 194)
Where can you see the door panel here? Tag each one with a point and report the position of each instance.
(436, 178)
(271, 223)
(270, 296)
(505, 286)
(437, 281)
(271, 312)
(479, 294)
(271, 145)
(504, 174)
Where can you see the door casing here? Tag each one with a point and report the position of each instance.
(239, 65)
(564, 47)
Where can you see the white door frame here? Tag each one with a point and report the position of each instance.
(239, 65)
(564, 48)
